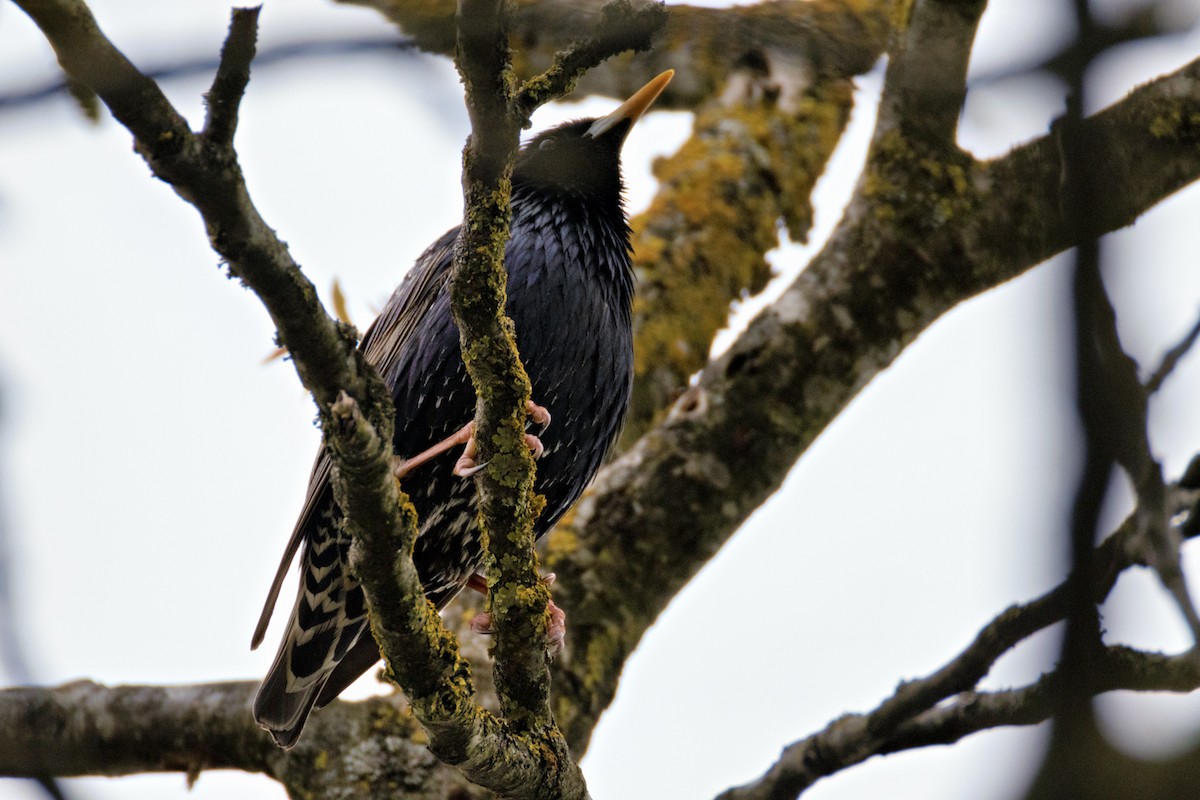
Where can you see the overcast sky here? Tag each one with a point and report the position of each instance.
(153, 466)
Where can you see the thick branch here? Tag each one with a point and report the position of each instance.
(84, 728)
(754, 160)
(925, 231)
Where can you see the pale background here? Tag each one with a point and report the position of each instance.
(152, 465)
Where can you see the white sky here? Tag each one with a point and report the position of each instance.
(155, 466)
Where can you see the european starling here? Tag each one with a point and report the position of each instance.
(570, 286)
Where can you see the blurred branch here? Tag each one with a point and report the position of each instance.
(205, 64)
(927, 76)
(1112, 406)
(13, 662)
(704, 45)
(947, 706)
(1172, 358)
(1138, 21)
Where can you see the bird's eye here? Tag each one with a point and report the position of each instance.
(546, 144)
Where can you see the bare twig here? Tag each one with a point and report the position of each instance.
(1171, 359)
(622, 27)
(851, 739)
(186, 64)
(233, 73)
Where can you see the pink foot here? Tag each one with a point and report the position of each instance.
(465, 467)
(556, 618)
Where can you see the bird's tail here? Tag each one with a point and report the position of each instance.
(326, 646)
(283, 712)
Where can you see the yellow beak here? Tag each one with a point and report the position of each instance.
(634, 107)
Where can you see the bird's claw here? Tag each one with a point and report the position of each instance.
(538, 414)
(556, 618)
(465, 467)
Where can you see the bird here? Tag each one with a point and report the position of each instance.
(570, 292)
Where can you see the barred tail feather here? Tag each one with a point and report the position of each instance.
(326, 641)
(281, 712)
(313, 666)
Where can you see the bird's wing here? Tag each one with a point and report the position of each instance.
(381, 345)
(388, 334)
(318, 483)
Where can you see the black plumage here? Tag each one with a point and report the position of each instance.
(570, 287)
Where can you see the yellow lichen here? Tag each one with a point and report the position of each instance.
(704, 240)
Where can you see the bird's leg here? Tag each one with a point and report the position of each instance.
(556, 618)
(402, 466)
(465, 467)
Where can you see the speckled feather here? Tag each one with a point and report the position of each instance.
(570, 287)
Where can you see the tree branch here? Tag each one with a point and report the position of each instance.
(84, 728)
(849, 740)
(945, 706)
(507, 503)
(927, 78)
(1171, 359)
(233, 74)
(478, 299)
(705, 45)
(622, 27)
(916, 240)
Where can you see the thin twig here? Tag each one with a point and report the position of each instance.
(622, 26)
(233, 74)
(1172, 358)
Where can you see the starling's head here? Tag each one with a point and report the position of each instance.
(584, 157)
